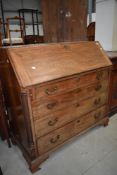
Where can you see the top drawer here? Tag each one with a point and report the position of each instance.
(56, 88)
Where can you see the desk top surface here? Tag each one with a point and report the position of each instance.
(46, 62)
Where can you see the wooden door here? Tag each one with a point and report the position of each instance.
(64, 20)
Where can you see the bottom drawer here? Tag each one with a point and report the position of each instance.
(60, 135)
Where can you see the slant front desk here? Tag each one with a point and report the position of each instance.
(54, 92)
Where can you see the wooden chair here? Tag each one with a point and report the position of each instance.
(11, 40)
(91, 31)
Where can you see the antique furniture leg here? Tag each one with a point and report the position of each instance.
(34, 165)
(106, 122)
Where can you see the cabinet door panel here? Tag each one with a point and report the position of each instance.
(74, 20)
(64, 20)
(52, 17)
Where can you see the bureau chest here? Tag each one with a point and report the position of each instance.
(54, 92)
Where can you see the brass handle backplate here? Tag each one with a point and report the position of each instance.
(54, 140)
(97, 101)
(51, 91)
(98, 87)
(51, 105)
(53, 122)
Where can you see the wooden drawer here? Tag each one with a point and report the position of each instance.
(54, 121)
(42, 108)
(60, 135)
(56, 88)
(59, 118)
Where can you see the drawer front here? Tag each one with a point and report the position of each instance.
(77, 108)
(42, 108)
(53, 122)
(56, 88)
(60, 135)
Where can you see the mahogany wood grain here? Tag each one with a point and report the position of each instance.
(55, 138)
(76, 82)
(44, 63)
(34, 78)
(113, 83)
(64, 20)
(40, 109)
(57, 120)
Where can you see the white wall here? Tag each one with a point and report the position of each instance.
(105, 19)
(114, 41)
(93, 18)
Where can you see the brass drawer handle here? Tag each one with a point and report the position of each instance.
(98, 87)
(51, 91)
(99, 75)
(97, 115)
(53, 122)
(54, 140)
(51, 105)
(97, 101)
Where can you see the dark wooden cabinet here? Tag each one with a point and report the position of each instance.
(33, 39)
(54, 92)
(113, 83)
(64, 20)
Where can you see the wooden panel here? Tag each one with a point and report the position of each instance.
(77, 107)
(113, 98)
(15, 107)
(52, 20)
(42, 63)
(113, 83)
(56, 88)
(33, 39)
(57, 137)
(75, 20)
(52, 122)
(64, 20)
